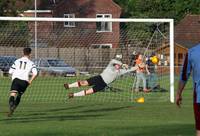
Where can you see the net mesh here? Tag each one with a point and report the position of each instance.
(82, 50)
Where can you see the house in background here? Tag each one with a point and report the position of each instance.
(64, 34)
(187, 35)
(187, 31)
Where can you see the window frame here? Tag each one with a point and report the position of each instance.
(102, 45)
(103, 24)
(70, 24)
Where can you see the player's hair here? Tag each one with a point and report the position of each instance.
(27, 51)
(138, 54)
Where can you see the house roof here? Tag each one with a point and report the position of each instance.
(51, 4)
(83, 5)
(187, 32)
(181, 46)
(186, 44)
(84, 8)
(30, 5)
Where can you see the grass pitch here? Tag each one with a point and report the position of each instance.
(47, 115)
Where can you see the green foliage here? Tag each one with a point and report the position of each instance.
(8, 7)
(14, 34)
(175, 9)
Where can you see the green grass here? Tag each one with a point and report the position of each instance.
(47, 115)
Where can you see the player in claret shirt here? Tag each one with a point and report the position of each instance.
(191, 65)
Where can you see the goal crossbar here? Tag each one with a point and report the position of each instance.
(84, 19)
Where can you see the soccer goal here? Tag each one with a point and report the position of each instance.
(73, 49)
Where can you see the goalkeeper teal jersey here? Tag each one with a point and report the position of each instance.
(192, 64)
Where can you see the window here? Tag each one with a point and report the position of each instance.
(69, 24)
(102, 46)
(53, 1)
(104, 26)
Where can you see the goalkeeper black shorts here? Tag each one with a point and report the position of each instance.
(97, 82)
(19, 85)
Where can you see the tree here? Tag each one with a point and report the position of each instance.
(9, 8)
(12, 33)
(175, 9)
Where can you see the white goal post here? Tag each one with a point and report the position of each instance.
(171, 33)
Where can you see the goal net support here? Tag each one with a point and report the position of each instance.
(73, 49)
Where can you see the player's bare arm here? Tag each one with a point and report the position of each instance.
(181, 86)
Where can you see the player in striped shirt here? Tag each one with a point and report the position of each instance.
(191, 66)
(20, 71)
(114, 69)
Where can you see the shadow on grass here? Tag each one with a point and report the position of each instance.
(42, 118)
(54, 109)
(110, 109)
(60, 114)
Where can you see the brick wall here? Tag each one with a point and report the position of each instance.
(188, 30)
(89, 9)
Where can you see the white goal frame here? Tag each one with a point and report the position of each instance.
(171, 33)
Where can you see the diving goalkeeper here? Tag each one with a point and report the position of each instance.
(114, 69)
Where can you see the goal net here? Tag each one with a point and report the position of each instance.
(73, 49)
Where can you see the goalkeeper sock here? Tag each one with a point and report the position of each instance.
(81, 93)
(75, 84)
